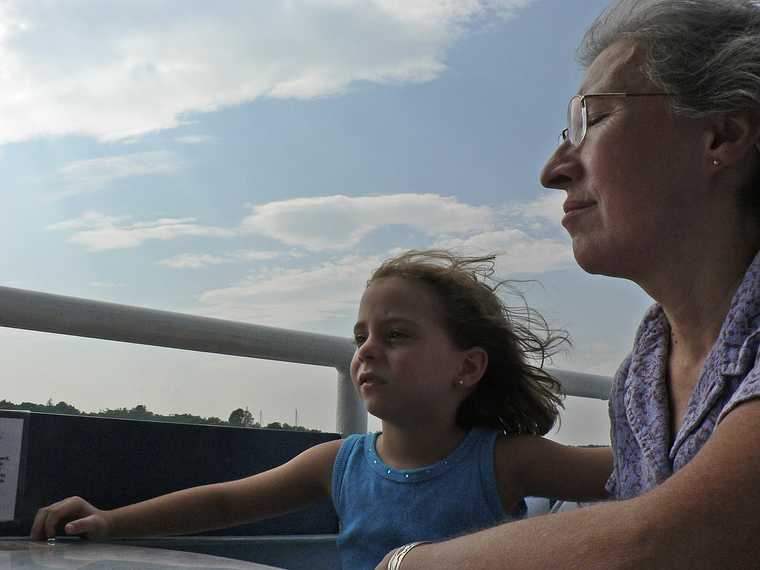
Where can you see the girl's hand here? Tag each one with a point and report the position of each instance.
(80, 517)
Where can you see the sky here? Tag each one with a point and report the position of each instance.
(255, 161)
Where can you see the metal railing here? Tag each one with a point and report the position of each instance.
(74, 316)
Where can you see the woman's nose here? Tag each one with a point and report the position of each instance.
(562, 168)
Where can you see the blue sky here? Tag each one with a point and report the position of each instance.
(254, 161)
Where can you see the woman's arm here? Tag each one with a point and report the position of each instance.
(533, 466)
(294, 484)
(704, 516)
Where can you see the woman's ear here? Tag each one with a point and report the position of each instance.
(733, 136)
(473, 367)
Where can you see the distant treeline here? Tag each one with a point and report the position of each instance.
(238, 418)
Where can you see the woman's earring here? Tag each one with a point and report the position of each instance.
(460, 382)
(716, 162)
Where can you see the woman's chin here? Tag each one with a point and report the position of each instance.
(597, 260)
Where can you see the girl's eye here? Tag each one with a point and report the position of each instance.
(396, 334)
(359, 339)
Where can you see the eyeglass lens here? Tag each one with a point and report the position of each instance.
(576, 123)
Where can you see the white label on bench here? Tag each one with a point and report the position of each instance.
(11, 432)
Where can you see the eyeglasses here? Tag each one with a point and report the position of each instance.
(577, 114)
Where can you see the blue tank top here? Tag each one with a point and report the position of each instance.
(381, 508)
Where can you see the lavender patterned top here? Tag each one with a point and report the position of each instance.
(639, 409)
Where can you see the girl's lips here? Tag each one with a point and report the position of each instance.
(368, 383)
(369, 379)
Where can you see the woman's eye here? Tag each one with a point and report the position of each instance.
(396, 335)
(359, 339)
(594, 119)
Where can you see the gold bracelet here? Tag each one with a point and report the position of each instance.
(398, 555)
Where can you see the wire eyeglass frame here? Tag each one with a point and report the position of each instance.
(580, 101)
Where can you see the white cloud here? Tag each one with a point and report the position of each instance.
(194, 260)
(97, 232)
(339, 222)
(303, 297)
(88, 220)
(548, 207)
(93, 174)
(194, 139)
(121, 69)
(516, 251)
(294, 297)
(198, 260)
(324, 223)
(336, 223)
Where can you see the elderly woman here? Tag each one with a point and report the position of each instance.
(661, 170)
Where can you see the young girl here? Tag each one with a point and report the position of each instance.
(443, 363)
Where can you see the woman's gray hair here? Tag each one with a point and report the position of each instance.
(706, 53)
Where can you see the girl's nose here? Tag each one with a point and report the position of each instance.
(366, 350)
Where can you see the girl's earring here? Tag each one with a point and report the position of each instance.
(716, 162)
(460, 382)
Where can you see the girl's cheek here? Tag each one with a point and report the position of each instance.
(354, 367)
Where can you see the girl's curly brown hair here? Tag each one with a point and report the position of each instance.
(513, 395)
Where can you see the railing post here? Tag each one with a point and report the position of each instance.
(351, 417)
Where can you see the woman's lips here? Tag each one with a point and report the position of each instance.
(575, 208)
(572, 205)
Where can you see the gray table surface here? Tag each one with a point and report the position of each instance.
(20, 554)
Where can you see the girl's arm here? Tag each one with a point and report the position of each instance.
(533, 466)
(294, 484)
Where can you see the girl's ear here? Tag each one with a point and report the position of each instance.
(472, 368)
